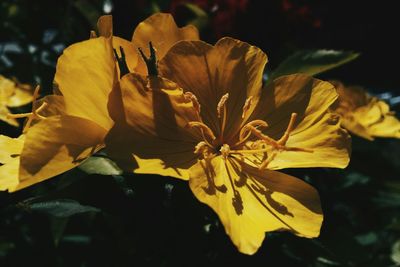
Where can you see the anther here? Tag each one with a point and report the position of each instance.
(221, 104)
(246, 106)
(151, 62)
(123, 67)
(190, 96)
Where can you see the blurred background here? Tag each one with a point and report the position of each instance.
(147, 220)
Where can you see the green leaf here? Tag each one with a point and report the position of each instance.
(61, 208)
(57, 227)
(200, 18)
(313, 62)
(396, 252)
(100, 165)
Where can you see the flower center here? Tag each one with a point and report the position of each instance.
(251, 139)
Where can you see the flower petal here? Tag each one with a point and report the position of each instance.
(209, 72)
(10, 149)
(316, 128)
(161, 30)
(85, 76)
(264, 201)
(55, 145)
(156, 116)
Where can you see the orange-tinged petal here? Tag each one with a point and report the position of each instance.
(250, 202)
(155, 128)
(161, 30)
(364, 115)
(316, 128)
(10, 149)
(85, 76)
(209, 72)
(105, 26)
(55, 145)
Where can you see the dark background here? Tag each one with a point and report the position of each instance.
(146, 220)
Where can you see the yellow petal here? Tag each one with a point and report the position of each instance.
(55, 145)
(364, 115)
(264, 201)
(7, 88)
(389, 126)
(231, 66)
(10, 149)
(85, 76)
(316, 128)
(20, 97)
(154, 129)
(161, 30)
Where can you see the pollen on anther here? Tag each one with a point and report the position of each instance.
(221, 104)
(190, 96)
(247, 105)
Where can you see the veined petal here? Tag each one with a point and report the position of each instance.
(156, 115)
(315, 129)
(250, 202)
(85, 76)
(209, 72)
(55, 145)
(162, 31)
(10, 149)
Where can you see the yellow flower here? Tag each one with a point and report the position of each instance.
(66, 128)
(365, 115)
(217, 127)
(12, 94)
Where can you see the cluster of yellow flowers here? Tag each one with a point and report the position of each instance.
(193, 111)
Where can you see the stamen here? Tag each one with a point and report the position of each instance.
(246, 106)
(151, 62)
(265, 163)
(289, 129)
(221, 104)
(199, 148)
(190, 96)
(123, 67)
(225, 150)
(245, 129)
(30, 115)
(268, 140)
(204, 128)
